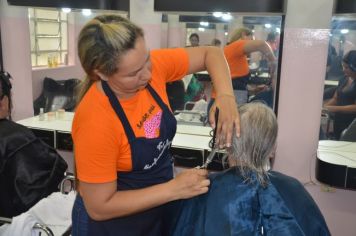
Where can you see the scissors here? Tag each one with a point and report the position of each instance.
(214, 147)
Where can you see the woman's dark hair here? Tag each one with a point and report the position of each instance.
(194, 35)
(5, 88)
(350, 60)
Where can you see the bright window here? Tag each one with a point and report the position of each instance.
(49, 37)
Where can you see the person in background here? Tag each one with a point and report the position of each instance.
(5, 95)
(273, 41)
(248, 198)
(29, 169)
(342, 105)
(242, 43)
(176, 93)
(194, 40)
(123, 129)
(216, 42)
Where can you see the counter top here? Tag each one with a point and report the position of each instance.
(64, 125)
(337, 152)
(187, 136)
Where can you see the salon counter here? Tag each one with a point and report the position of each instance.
(189, 146)
(336, 163)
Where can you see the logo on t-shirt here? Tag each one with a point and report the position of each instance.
(145, 116)
(152, 126)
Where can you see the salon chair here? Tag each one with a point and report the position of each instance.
(56, 94)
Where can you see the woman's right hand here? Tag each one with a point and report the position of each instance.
(190, 183)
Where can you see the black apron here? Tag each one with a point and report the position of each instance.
(151, 164)
(240, 82)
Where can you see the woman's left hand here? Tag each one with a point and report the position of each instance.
(229, 119)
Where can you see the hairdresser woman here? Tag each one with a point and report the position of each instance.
(123, 128)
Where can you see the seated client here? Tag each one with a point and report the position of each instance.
(29, 169)
(248, 199)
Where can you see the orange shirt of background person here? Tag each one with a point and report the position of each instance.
(237, 58)
(242, 43)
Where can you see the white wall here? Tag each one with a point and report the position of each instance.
(27, 83)
(15, 39)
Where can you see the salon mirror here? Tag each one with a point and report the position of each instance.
(335, 162)
(193, 95)
(189, 99)
(339, 81)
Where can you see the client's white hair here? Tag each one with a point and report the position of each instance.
(257, 142)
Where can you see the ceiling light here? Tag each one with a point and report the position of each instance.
(226, 16)
(217, 14)
(66, 10)
(204, 23)
(344, 31)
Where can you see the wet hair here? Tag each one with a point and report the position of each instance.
(5, 88)
(350, 60)
(237, 34)
(252, 151)
(101, 44)
(194, 35)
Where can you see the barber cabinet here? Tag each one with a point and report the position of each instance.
(335, 164)
(47, 136)
(56, 139)
(185, 157)
(64, 141)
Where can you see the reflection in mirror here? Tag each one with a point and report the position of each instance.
(52, 31)
(252, 62)
(53, 35)
(338, 120)
(190, 97)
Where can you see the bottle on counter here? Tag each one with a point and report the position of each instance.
(61, 114)
(41, 116)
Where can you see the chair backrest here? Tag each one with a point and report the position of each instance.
(29, 169)
(56, 94)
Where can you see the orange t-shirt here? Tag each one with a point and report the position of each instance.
(101, 147)
(236, 59)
